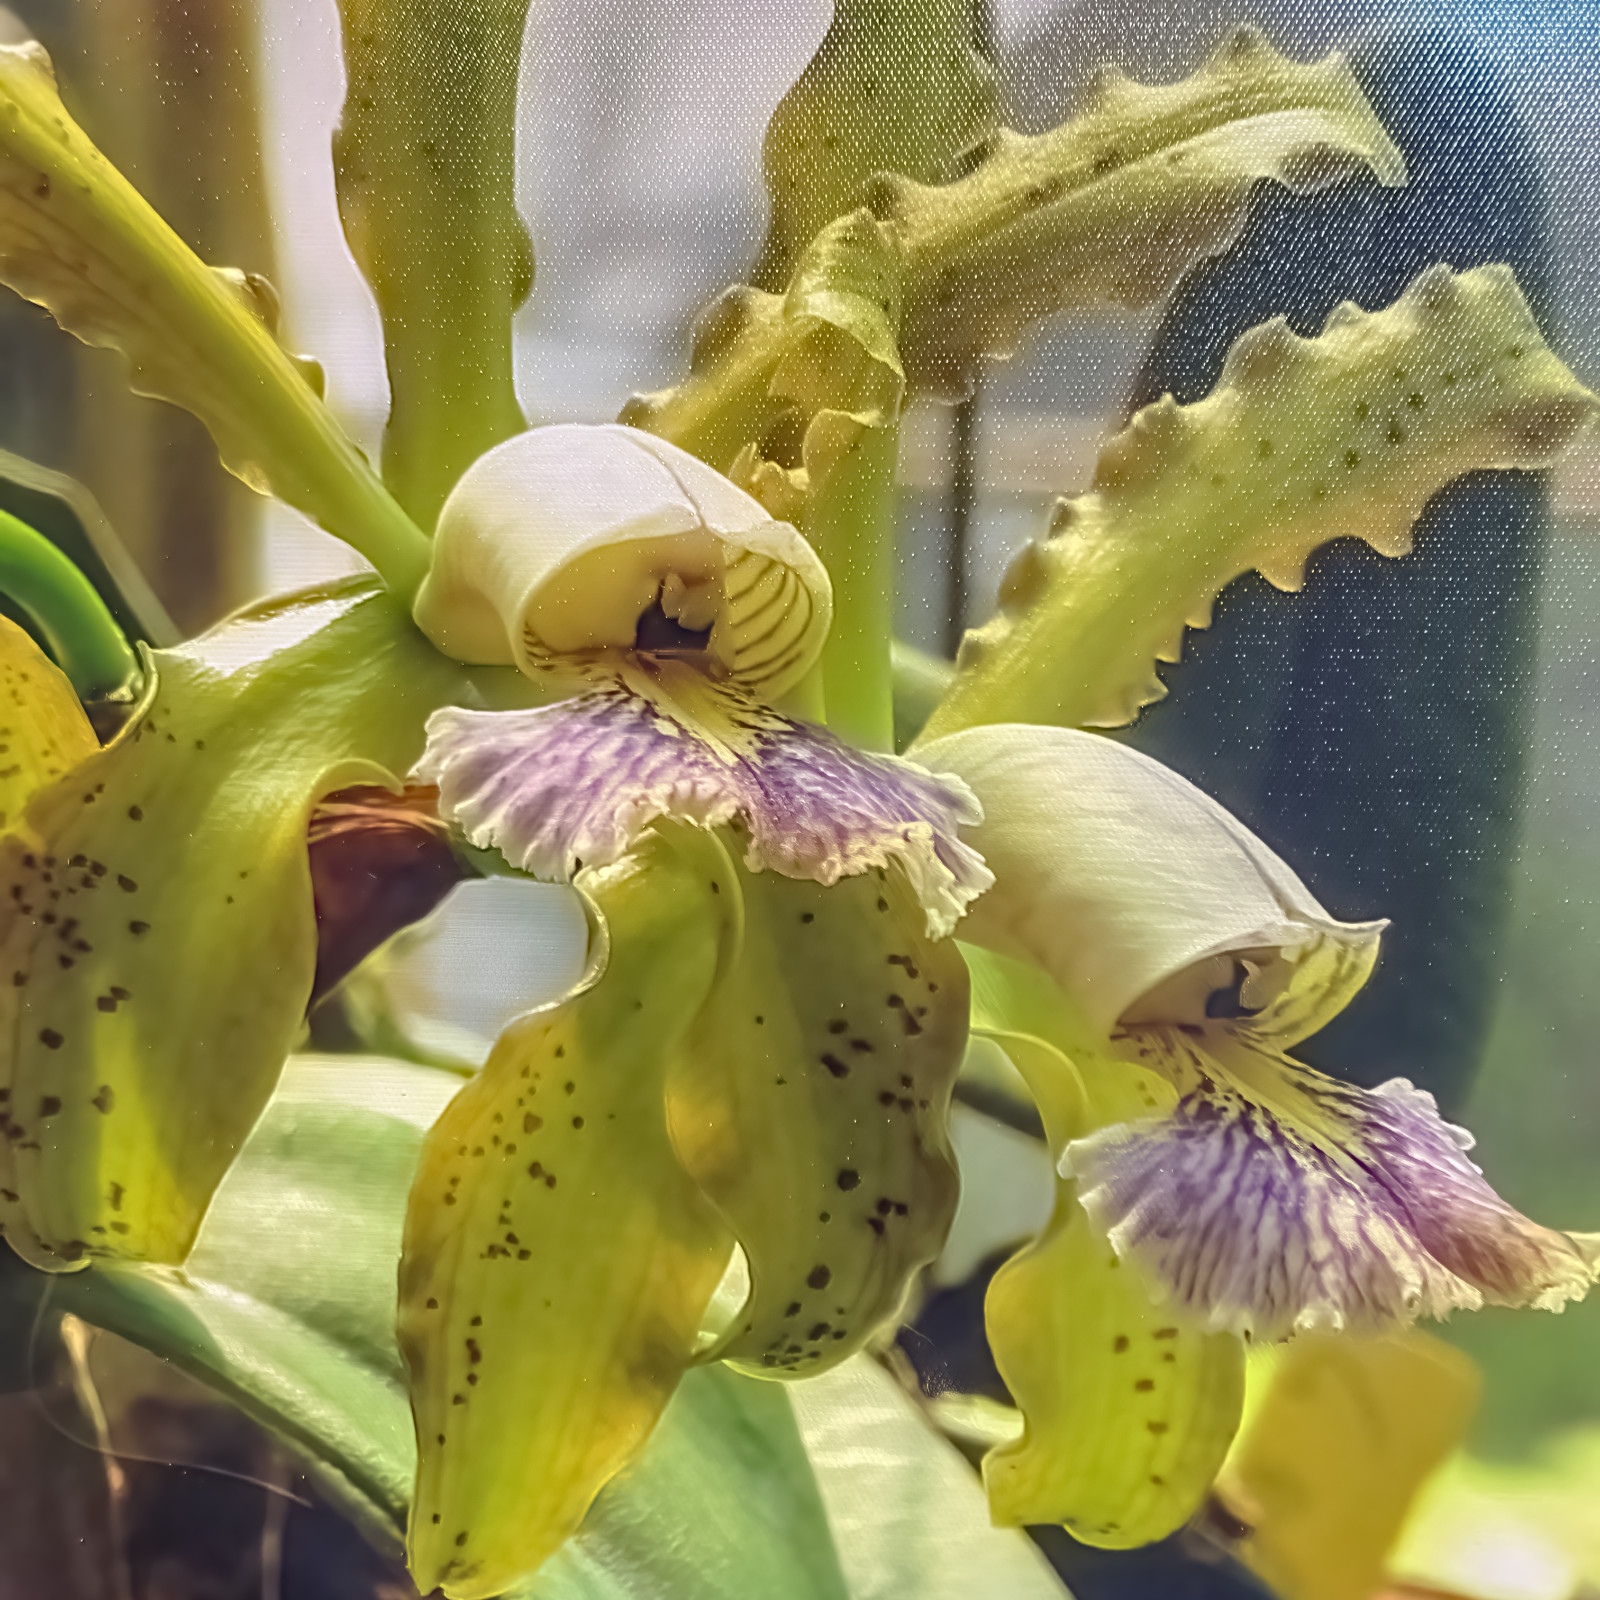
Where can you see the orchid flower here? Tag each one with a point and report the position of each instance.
(676, 614)
(653, 661)
(1149, 963)
(768, 1054)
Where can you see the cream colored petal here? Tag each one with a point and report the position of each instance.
(1138, 892)
(558, 540)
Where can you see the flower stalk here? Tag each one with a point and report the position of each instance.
(81, 633)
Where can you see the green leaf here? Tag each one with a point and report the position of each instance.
(1302, 441)
(295, 1323)
(158, 915)
(722, 1505)
(907, 1512)
(78, 239)
(426, 180)
(895, 86)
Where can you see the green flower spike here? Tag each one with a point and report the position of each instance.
(766, 1057)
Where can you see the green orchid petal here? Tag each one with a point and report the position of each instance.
(77, 238)
(765, 363)
(423, 158)
(158, 934)
(892, 88)
(812, 1108)
(558, 1259)
(1113, 207)
(1129, 1414)
(43, 729)
(1116, 205)
(1301, 441)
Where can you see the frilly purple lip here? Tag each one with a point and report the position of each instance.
(1272, 1198)
(574, 784)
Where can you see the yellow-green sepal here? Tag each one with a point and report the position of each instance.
(43, 729)
(1301, 441)
(1128, 1414)
(896, 88)
(157, 934)
(558, 1259)
(1116, 205)
(812, 1107)
(79, 239)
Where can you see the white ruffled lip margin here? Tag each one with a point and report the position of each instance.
(1116, 875)
(573, 785)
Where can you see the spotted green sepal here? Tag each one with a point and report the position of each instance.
(766, 367)
(812, 1109)
(1302, 441)
(157, 935)
(423, 157)
(892, 88)
(43, 729)
(1128, 1411)
(1114, 206)
(558, 1259)
(78, 239)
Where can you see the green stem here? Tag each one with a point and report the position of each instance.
(78, 629)
(424, 159)
(920, 682)
(851, 525)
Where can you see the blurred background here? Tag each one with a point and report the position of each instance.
(639, 176)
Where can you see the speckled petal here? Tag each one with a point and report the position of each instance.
(576, 783)
(1273, 1198)
(812, 1106)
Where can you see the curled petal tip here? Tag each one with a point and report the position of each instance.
(1122, 879)
(572, 538)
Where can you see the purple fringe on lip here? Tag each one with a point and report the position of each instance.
(573, 784)
(1273, 1198)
